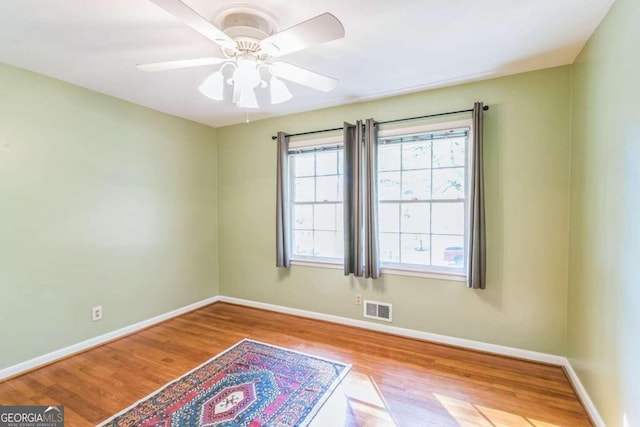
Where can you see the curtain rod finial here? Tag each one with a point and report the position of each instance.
(485, 108)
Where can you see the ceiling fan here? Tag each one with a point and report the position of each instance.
(249, 41)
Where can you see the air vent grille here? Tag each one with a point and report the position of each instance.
(377, 310)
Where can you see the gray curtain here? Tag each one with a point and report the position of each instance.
(371, 250)
(283, 250)
(360, 200)
(476, 265)
(353, 213)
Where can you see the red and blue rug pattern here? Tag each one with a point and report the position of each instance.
(251, 384)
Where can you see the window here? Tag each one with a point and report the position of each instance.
(422, 192)
(422, 199)
(316, 203)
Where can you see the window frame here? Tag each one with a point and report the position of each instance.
(302, 144)
(399, 269)
(439, 272)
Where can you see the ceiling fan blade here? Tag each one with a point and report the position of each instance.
(304, 77)
(321, 29)
(185, 63)
(196, 21)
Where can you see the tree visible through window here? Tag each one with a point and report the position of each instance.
(421, 195)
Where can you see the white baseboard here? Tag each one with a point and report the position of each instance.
(93, 342)
(408, 333)
(584, 396)
(440, 339)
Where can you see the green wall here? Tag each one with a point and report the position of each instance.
(101, 202)
(527, 156)
(604, 295)
(105, 202)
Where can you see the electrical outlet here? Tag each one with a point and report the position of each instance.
(358, 299)
(96, 313)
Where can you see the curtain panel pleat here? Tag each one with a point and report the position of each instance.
(476, 266)
(353, 201)
(361, 253)
(372, 251)
(283, 250)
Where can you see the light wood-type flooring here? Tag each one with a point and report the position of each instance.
(394, 381)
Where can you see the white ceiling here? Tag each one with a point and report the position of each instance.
(390, 47)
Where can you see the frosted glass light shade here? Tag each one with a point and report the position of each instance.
(213, 86)
(279, 91)
(247, 99)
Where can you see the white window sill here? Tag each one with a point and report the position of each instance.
(455, 277)
(316, 263)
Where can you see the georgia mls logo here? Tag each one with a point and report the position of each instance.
(53, 408)
(31, 416)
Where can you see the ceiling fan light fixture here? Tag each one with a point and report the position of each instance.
(213, 86)
(279, 91)
(249, 37)
(235, 98)
(247, 99)
(246, 74)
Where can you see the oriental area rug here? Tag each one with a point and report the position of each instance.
(250, 384)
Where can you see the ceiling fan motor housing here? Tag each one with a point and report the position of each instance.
(247, 26)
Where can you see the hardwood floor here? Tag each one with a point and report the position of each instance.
(394, 381)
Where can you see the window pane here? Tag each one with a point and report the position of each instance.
(415, 218)
(340, 162)
(448, 218)
(340, 187)
(327, 188)
(416, 155)
(389, 247)
(326, 163)
(326, 244)
(449, 152)
(303, 217)
(419, 231)
(415, 185)
(389, 157)
(303, 164)
(448, 251)
(317, 212)
(304, 190)
(389, 217)
(448, 183)
(303, 243)
(415, 249)
(389, 185)
(325, 217)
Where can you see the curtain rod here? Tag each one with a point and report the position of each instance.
(485, 108)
